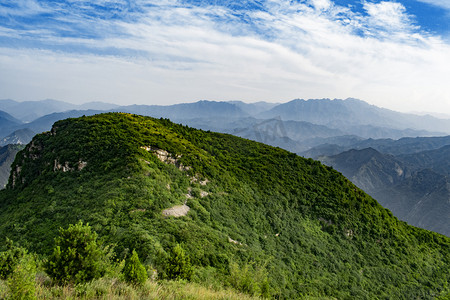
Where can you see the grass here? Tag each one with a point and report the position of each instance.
(113, 288)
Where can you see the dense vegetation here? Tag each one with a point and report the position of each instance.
(261, 219)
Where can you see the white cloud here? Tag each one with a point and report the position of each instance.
(321, 4)
(440, 3)
(22, 8)
(390, 16)
(293, 50)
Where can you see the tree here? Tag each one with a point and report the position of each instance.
(178, 264)
(10, 258)
(76, 257)
(134, 272)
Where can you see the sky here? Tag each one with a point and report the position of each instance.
(393, 54)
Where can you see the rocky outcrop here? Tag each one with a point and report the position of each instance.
(66, 166)
(167, 157)
(176, 211)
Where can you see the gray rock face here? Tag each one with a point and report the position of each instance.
(7, 155)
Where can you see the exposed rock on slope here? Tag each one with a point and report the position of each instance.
(7, 155)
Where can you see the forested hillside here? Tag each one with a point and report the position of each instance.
(290, 226)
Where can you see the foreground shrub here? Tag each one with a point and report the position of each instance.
(21, 283)
(134, 272)
(76, 257)
(250, 279)
(178, 264)
(10, 258)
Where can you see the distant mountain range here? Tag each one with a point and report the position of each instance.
(8, 123)
(335, 145)
(306, 121)
(20, 136)
(187, 111)
(438, 160)
(349, 113)
(415, 187)
(11, 127)
(366, 143)
(28, 111)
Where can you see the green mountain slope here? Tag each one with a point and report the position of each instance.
(268, 211)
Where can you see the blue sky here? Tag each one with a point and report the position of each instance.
(394, 54)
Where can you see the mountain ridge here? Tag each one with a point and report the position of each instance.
(351, 112)
(258, 206)
(364, 124)
(415, 192)
(28, 111)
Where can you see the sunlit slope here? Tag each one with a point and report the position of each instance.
(148, 184)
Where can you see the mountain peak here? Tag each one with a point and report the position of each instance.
(149, 184)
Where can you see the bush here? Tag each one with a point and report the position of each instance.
(178, 264)
(22, 282)
(250, 279)
(134, 272)
(76, 257)
(10, 258)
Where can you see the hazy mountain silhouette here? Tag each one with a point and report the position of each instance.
(345, 114)
(28, 111)
(20, 136)
(415, 187)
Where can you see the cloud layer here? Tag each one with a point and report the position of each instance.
(441, 3)
(171, 51)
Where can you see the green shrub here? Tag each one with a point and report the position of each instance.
(134, 272)
(250, 279)
(178, 264)
(445, 296)
(10, 258)
(76, 257)
(22, 283)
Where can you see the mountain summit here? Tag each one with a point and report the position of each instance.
(349, 114)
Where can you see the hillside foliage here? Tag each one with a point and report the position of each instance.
(76, 256)
(134, 272)
(295, 227)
